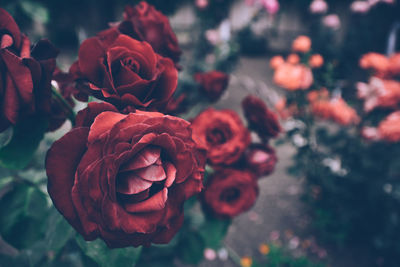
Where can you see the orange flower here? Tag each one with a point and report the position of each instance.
(246, 262)
(293, 59)
(301, 44)
(316, 61)
(276, 61)
(264, 249)
(389, 128)
(293, 77)
(375, 61)
(336, 109)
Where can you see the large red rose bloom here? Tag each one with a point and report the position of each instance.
(124, 178)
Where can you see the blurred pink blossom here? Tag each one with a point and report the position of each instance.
(370, 133)
(360, 7)
(212, 36)
(210, 254)
(201, 4)
(271, 6)
(318, 7)
(250, 2)
(274, 235)
(332, 21)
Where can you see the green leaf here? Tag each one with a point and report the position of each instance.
(25, 140)
(58, 231)
(99, 252)
(191, 247)
(213, 231)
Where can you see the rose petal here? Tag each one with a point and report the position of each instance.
(153, 173)
(171, 174)
(145, 158)
(89, 55)
(129, 183)
(86, 116)
(103, 123)
(156, 202)
(62, 160)
(8, 23)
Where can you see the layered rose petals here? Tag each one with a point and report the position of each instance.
(212, 84)
(127, 180)
(229, 192)
(143, 22)
(125, 72)
(222, 133)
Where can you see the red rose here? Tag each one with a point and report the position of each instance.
(222, 133)
(26, 75)
(260, 159)
(143, 22)
(212, 83)
(126, 72)
(260, 118)
(229, 192)
(124, 178)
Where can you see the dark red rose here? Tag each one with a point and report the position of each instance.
(25, 74)
(123, 71)
(144, 23)
(260, 119)
(229, 192)
(63, 82)
(212, 83)
(124, 177)
(222, 133)
(260, 159)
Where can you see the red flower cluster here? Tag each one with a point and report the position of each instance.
(233, 188)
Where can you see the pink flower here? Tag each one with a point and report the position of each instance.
(360, 7)
(318, 7)
(201, 4)
(332, 21)
(212, 36)
(271, 6)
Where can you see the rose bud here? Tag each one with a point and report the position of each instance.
(125, 72)
(212, 84)
(222, 133)
(144, 23)
(260, 159)
(293, 59)
(316, 61)
(124, 177)
(25, 74)
(276, 61)
(229, 192)
(260, 119)
(301, 44)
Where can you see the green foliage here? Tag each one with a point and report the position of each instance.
(98, 251)
(18, 152)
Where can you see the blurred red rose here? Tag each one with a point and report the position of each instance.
(212, 83)
(260, 159)
(229, 192)
(222, 133)
(144, 23)
(316, 61)
(260, 118)
(124, 178)
(389, 128)
(301, 44)
(125, 72)
(25, 74)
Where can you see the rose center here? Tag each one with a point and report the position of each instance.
(131, 63)
(217, 136)
(230, 195)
